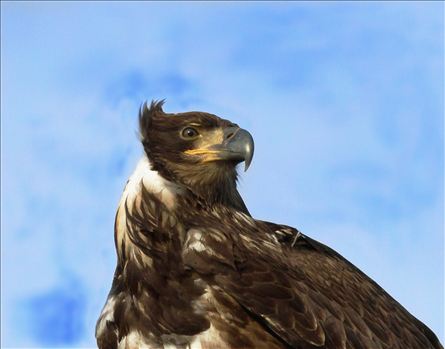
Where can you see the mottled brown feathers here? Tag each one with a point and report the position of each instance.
(304, 292)
(196, 271)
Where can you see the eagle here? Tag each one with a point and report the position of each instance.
(196, 270)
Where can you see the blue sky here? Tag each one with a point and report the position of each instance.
(344, 100)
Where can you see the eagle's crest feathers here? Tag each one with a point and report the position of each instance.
(146, 114)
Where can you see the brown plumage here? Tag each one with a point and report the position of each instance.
(195, 270)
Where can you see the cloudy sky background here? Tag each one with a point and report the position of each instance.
(345, 102)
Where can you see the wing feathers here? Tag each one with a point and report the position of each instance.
(303, 292)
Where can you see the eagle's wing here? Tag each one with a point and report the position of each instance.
(300, 291)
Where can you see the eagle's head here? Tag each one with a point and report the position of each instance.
(197, 150)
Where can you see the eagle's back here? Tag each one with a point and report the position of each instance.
(301, 291)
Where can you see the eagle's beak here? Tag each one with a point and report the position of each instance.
(238, 146)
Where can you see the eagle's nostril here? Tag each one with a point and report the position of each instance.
(230, 132)
(230, 135)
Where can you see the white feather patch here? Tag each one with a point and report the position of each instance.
(154, 183)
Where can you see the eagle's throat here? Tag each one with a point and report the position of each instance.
(218, 189)
(209, 184)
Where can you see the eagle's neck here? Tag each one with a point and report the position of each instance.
(221, 192)
(207, 186)
(144, 176)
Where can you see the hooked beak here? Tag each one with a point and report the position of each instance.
(237, 146)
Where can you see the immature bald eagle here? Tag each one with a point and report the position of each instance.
(195, 270)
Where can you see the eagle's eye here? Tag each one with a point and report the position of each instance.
(189, 133)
